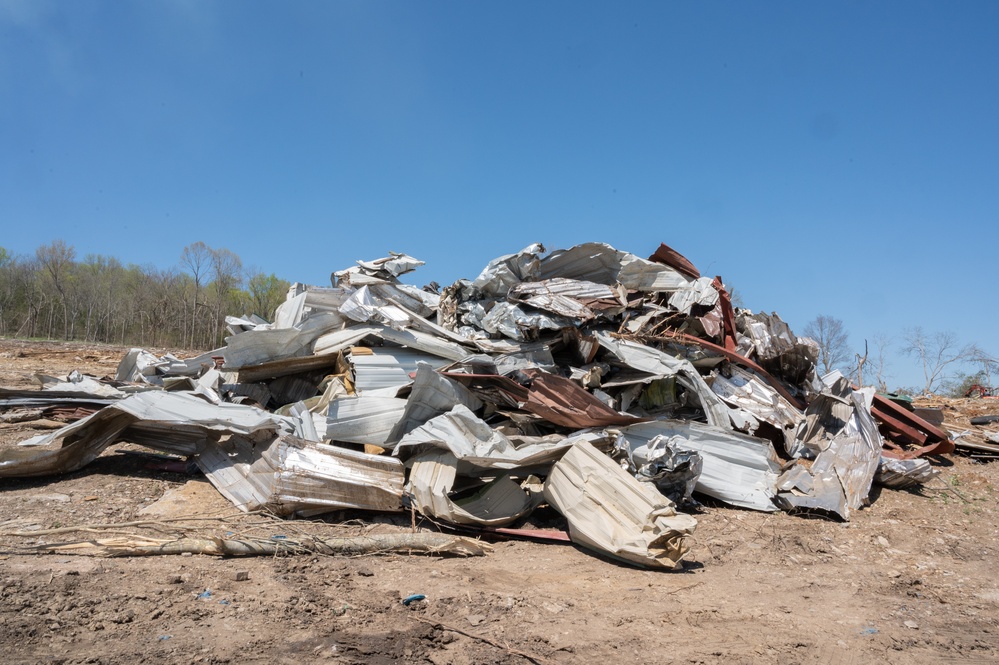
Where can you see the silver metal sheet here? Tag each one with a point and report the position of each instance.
(386, 367)
(477, 446)
(497, 503)
(738, 469)
(611, 512)
(431, 395)
(363, 419)
(286, 476)
(659, 364)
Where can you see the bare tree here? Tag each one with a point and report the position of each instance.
(880, 363)
(988, 364)
(227, 277)
(936, 353)
(831, 337)
(197, 258)
(56, 259)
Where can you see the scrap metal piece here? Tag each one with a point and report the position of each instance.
(564, 402)
(431, 395)
(601, 263)
(363, 419)
(139, 365)
(176, 423)
(613, 513)
(659, 365)
(699, 292)
(742, 389)
(287, 475)
(839, 432)
(671, 469)
(739, 469)
(901, 474)
(499, 502)
(504, 272)
(674, 259)
(386, 367)
(571, 298)
(477, 446)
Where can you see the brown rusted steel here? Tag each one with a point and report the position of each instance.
(675, 260)
(728, 314)
(913, 429)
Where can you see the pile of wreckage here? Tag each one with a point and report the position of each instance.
(613, 388)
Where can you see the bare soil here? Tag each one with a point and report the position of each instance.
(911, 579)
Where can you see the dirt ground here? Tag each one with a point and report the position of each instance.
(911, 579)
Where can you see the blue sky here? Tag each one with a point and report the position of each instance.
(834, 158)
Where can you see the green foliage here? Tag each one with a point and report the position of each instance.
(52, 294)
(963, 382)
(266, 293)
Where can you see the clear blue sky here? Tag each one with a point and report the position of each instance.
(833, 158)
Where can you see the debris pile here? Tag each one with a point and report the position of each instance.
(615, 389)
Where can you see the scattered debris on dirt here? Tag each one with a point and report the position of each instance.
(583, 394)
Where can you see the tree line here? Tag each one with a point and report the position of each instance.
(55, 295)
(948, 366)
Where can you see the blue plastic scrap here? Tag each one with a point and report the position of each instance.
(412, 599)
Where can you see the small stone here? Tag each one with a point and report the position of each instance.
(174, 579)
(241, 575)
(365, 572)
(475, 619)
(911, 624)
(882, 541)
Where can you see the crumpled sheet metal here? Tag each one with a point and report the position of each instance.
(254, 347)
(902, 474)
(478, 447)
(431, 395)
(286, 476)
(499, 502)
(78, 383)
(515, 322)
(507, 271)
(379, 270)
(611, 512)
(176, 423)
(673, 470)
(563, 402)
(742, 389)
(841, 435)
(738, 469)
(601, 263)
(658, 364)
(139, 365)
(571, 298)
(674, 259)
(699, 292)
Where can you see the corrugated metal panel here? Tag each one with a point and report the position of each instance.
(738, 469)
(384, 368)
(363, 419)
